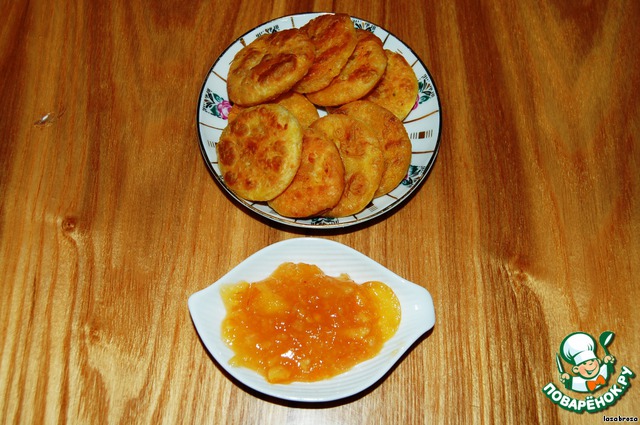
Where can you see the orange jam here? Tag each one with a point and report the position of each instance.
(300, 324)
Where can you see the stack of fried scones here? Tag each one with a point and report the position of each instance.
(276, 147)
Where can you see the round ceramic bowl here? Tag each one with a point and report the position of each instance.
(422, 124)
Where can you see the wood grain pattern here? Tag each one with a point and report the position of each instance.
(527, 229)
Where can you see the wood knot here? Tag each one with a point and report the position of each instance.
(69, 224)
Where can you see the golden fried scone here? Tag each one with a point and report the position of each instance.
(334, 38)
(319, 182)
(397, 90)
(235, 111)
(300, 107)
(362, 159)
(394, 140)
(269, 66)
(297, 104)
(259, 152)
(359, 76)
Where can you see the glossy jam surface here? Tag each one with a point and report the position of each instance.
(300, 324)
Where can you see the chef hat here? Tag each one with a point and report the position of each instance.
(578, 347)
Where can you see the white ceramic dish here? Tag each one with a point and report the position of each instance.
(418, 316)
(422, 124)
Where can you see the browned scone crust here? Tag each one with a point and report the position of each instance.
(359, 76)
(319, 182)
(300, 107)
(362, 159)
(259, 152)
(394, 140)
(296, 103)
(397, 90)
(334, 38)
(235, 111)
(269, 66)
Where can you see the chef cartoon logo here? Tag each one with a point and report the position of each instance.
(589, 372)
(580, 370)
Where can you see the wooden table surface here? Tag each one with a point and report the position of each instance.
(526, 230)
